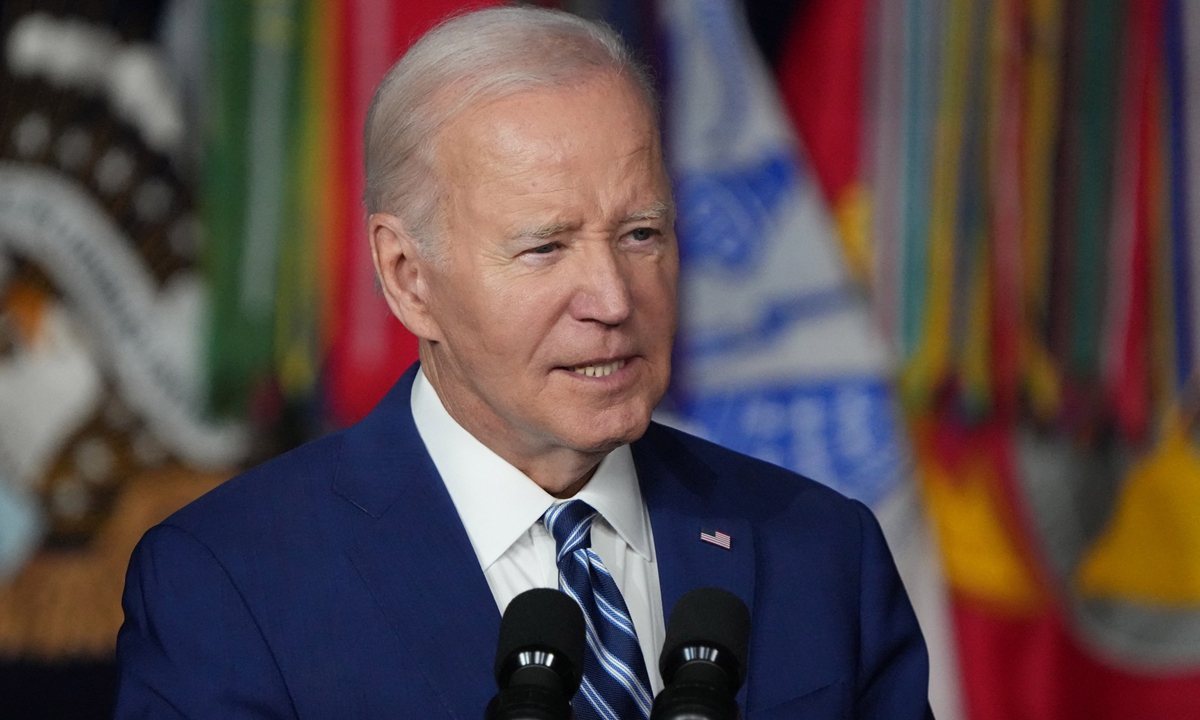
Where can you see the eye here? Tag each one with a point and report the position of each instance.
(643, 234)
(544, 249)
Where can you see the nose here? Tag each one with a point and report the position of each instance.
(603, 292)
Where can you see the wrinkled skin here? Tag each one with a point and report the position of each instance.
(559, 254)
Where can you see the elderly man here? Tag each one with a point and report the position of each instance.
(521, 226)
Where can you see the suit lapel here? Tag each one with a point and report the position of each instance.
(684, 497)
(416, 558)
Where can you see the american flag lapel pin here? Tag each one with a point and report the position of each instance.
(715, 537)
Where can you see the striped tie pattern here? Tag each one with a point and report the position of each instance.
(615, 684)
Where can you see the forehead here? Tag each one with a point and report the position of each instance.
(598, 136)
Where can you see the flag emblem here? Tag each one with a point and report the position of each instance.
(715, 537)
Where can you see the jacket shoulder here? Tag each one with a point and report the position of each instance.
(284, 486)
(758, 487)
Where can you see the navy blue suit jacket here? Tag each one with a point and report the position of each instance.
(337, 581)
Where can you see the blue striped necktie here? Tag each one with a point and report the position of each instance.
(615, 684)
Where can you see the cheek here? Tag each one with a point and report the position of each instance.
(515, 317)
(655, 294)
(471, 319)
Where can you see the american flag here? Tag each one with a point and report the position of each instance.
(715, 537)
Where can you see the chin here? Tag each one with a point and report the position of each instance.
(604, 434)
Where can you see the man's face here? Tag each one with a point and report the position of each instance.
(555, 306)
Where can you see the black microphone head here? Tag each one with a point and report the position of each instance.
(542, 620)
(712, 618)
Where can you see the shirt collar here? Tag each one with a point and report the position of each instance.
(497, 503)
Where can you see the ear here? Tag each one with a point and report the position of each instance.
(403, 275)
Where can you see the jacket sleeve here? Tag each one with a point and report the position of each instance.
(190, 647)
(893, 671)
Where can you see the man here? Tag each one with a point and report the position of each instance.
(522, 227)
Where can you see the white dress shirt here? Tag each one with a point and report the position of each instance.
(500, 507)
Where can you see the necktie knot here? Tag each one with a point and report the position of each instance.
(570, 524)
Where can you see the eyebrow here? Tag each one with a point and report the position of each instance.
(542, 232)
(654, 211)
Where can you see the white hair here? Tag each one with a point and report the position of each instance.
(471, 58)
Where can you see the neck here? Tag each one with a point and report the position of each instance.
(560, 471)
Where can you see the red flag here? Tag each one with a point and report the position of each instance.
(1034, 668)
(821, 82)
(369, 348)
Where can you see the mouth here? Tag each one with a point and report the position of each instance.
(599, 370)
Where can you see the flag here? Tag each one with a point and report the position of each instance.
(308, 216)
(716, 537)
(1070, 566)
(369, 348)
(777, 355)
(822, 81)
(253, 61)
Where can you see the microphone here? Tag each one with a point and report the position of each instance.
(704, 657)
(539, 657)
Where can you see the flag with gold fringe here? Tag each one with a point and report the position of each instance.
(1032, 243)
